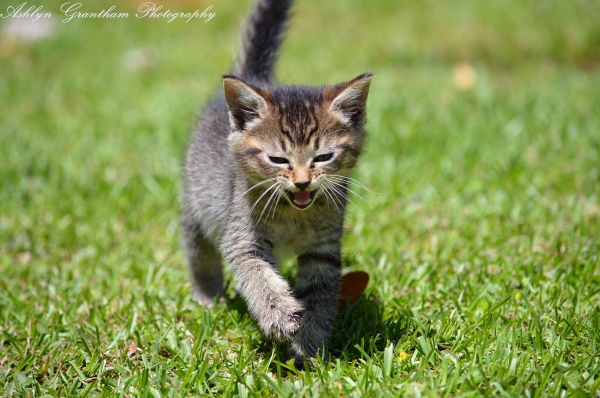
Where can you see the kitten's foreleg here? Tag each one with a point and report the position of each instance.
(318, 289)
(267, 294)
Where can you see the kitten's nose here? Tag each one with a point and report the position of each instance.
(302, 185)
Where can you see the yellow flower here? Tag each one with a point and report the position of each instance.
(518, 296)
(402, 356)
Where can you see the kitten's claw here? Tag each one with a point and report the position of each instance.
(283, 321)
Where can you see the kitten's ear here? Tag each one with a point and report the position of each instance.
(246, 104)
(350, 99)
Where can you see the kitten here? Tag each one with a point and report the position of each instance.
(268, 168)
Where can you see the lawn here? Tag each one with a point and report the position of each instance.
(482, 235)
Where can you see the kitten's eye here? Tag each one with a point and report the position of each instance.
(278, 160)
(324, 157)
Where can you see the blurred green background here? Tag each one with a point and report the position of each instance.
(481, 239)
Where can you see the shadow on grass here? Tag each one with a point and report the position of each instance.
(361, 324)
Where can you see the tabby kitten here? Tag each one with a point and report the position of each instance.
(268, 168)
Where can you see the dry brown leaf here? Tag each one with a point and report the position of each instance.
(353, 285)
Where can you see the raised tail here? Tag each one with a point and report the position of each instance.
(262, 39)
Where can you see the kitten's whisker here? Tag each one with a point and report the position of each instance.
(261, 196)
(266, 206)
(329, 198)
(339, 193)
(342, 188)
(258, 184)
(346, 184)
(272, 204)
(354, 181)
(340, 185)
(334, 199)
(276, 202)
(339, 197)
(324, 189)
(356, 193)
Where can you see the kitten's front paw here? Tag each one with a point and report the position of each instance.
(281, 319)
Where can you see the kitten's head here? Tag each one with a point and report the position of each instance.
(303, 138)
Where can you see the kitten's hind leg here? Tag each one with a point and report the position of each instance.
(205, 266)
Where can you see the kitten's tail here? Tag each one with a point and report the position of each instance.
(262, 39)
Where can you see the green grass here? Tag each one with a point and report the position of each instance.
(482, 241)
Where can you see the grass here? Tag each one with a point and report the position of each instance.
(482, 242)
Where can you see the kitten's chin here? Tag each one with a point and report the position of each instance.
(301, 200)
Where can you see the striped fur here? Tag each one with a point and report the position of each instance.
(261, 40)
(241, 203)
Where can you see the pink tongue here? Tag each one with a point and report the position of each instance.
(301, 198)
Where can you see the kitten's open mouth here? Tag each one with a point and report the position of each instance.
(301, 199)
